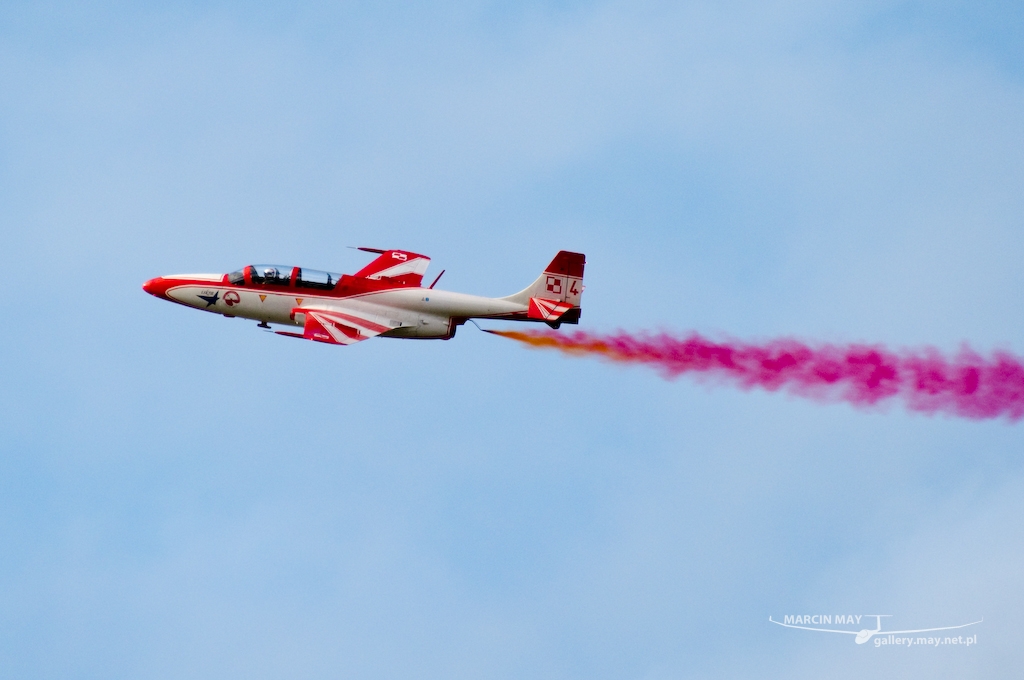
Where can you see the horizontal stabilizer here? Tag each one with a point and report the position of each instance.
(547, 310)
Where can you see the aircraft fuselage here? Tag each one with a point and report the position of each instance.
(410, 312)
(384, 298)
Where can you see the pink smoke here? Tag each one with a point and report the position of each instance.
(967, 385)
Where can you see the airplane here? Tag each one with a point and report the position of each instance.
(385, 298)
(867, 633)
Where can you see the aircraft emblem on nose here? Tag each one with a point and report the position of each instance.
(210, 300)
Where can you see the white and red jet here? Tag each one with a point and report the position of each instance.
(383, 298)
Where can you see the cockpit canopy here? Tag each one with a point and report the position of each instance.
(270, 275)
(278, 275)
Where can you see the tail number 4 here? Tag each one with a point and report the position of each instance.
(554, 285)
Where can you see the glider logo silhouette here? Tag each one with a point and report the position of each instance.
(865, 634)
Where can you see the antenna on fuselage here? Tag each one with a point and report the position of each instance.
(437, 279)
(368, 250)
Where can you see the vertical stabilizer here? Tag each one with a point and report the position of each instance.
(561, 282)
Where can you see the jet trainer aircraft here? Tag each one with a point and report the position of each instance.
(383, 298)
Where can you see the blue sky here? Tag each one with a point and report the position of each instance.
(182, 495)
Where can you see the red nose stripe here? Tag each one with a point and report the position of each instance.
(157, 287)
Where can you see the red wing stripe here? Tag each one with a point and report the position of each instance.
(345, 335)
(357, 321)
(326, 330)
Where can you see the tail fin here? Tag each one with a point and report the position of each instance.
(562, 281)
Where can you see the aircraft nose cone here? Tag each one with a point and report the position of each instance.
(154, 286)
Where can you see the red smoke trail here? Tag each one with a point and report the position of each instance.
(968, 385)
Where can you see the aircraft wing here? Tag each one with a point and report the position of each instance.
(928, 630)
(820, 630)
(338, 326)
